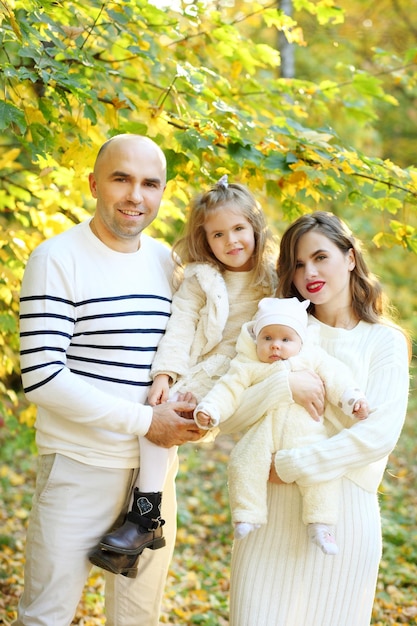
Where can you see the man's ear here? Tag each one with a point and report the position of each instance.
(93, 184)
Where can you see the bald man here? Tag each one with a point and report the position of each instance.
(95, 301)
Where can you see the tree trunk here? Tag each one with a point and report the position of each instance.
(286, 49)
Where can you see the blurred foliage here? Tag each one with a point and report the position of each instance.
(379, 38)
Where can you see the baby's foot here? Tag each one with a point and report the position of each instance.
(244, 528)
(323, 537)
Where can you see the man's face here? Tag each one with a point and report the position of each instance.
(128, 182)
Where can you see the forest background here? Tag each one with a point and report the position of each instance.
(312, 104)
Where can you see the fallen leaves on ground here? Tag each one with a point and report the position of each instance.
(198, 582)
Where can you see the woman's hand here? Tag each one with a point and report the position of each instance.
(307, 389)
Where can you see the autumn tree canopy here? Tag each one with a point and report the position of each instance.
(203, 79)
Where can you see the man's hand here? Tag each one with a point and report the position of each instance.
(168, 428)
(307, 389)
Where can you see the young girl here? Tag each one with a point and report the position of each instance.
(277, 577)
(225, 268)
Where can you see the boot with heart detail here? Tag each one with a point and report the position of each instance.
(141, 529)
(116, 563)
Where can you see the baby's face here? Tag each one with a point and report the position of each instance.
(276, 343)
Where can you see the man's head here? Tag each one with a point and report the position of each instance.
(279, 328)
(128, 181)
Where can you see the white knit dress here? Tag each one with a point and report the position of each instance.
(278, 577)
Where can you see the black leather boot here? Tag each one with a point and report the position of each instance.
(141, 529)
(124, 564)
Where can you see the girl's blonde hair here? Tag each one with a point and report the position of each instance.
(369, 303)
(192, 247)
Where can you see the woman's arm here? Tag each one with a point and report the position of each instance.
(304, 387)
(369, 440)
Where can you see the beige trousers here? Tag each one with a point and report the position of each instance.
(73, 506)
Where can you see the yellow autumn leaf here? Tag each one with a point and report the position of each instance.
(14, 479)
(34, 115)
(21, 513)
(201, 594)
(9, 159)
(313, 193)
(28, 416)
(298, 179)
(77, 157)
(346, 168)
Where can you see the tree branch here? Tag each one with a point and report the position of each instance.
(202, 33)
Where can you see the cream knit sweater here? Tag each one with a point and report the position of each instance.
(208, 312)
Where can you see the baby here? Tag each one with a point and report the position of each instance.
(276, 338)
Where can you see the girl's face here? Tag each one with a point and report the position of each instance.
(322, 272)
(231, 238)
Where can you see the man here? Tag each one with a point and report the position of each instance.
(94, 303)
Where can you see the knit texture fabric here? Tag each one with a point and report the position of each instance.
(208, 312)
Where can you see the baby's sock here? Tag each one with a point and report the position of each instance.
(322, 536)
(244, 528)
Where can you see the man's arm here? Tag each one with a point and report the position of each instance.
(49, 322)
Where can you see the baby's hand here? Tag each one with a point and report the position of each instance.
(203, 420)
(361, 409)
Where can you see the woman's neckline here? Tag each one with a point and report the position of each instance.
(349, 324)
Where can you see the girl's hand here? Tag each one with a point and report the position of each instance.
(187, 396)
(307, 389)
(159, 391)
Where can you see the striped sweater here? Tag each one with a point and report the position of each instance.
(90, 320)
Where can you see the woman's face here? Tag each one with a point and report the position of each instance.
(322, 272)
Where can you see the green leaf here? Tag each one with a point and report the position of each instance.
(10, 114)
(276, 161)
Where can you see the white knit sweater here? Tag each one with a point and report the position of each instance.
(378, 355)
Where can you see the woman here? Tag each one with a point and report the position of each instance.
(279, 578)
